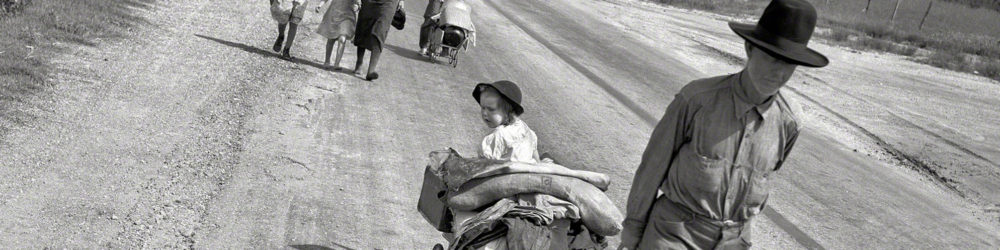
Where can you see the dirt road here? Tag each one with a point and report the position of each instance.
(194, 134)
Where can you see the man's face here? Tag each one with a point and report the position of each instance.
(767, 73)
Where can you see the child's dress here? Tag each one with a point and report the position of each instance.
(288, 11)
(514, 142)
(340, 19)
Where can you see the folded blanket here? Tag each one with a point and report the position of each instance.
(599, 180)
(597, 211)
(456, 170)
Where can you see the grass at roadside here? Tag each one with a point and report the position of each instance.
(32, 31)
(953, 36)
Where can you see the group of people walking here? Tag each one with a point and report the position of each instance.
(703, 176)
(365, 22)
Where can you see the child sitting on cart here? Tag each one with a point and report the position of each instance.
(511, 139)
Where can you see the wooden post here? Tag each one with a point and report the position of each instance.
(894, 10)
(931, 3)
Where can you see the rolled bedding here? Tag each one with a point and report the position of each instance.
(456, 170)
(597, 211)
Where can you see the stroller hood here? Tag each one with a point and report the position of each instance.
(457, 13)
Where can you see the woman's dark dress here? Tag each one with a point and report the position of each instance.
(374, 20)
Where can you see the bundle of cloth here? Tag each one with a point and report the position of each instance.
(536, 193)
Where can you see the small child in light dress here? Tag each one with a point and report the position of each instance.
(500, 107)
(338, 26)
(287, 13)
(511, 139)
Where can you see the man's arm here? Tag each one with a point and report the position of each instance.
(788, 148)
(663, 144)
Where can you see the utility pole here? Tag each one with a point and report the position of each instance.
(931, 3)
(894, 10)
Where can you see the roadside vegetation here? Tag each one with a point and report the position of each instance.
(33, 31)
(961, 35)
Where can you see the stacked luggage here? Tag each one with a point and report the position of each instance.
(499, 204)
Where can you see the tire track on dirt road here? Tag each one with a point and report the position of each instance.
(782, 222)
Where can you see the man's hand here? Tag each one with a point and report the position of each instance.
(630, 239)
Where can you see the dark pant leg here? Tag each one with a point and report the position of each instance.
(425, 32)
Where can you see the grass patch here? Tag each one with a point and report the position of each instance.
(31, 30)
(952, 29)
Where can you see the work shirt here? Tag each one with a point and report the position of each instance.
(712, 152)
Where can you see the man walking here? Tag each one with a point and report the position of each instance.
(721, 138)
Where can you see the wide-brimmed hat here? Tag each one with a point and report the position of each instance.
(784, 30)
(507, 90)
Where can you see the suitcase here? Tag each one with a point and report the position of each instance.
(431, 204)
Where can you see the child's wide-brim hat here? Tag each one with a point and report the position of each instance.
(783, 31)
(507, 89)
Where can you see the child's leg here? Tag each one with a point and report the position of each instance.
(281, 38)
(340, 51)
(361, 60)
(329, 50)
(292, 28)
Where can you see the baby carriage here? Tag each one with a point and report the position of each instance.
(454, 31)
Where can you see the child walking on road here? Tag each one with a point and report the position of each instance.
(287, 13)
(338, 25)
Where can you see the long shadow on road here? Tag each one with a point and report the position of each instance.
(407, 53)
(262, 52)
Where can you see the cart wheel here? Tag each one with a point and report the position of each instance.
(438, 247)
(454, 58)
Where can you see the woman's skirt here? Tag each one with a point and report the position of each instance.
(374, 20)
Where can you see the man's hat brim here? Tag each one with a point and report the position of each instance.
(790, 51)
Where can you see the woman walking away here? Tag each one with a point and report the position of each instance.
(374, 20)
(288, 13)
(338, 26)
